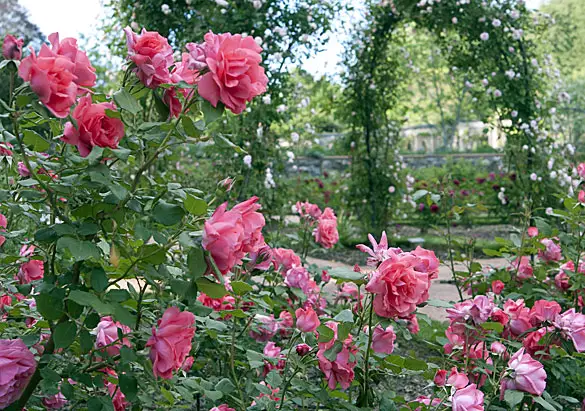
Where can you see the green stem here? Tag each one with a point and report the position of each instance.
(366, 390)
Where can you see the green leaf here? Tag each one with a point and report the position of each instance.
(34, 140)
(127, 102)
(127, 354)
(513, 398)
(326, 334)
(546, 405)
(241, 288)
(196, 263)
(210, 113)
(99, 280)
(64, 334)
(90, 300)
(225, 386)
(118, 296)
(342, 273)
(168, 214)
(86, 341)
(414, 364)
(128, 386)
(124, 316)
(50, 307)
(495, 326)
(213, 290)
(80, 250)
(189, 127)
(195, 206)
(222, 141)
(345, 316)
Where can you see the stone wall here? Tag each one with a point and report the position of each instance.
(316, 166)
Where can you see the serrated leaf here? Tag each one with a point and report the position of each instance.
(210, 113)
(79, 249)
(213, 290)
(168, 214)
(195, 206)
(64, 334)
(326, 334)
(513, 398)
(196, 263)
(127, 102)
(90, 300)
(241, 288)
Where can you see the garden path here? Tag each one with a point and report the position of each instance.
(440, 288)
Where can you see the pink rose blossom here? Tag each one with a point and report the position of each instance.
(572, 325)
(498, 348)
(581, 196)
(412, 324)
(532, 231)
(468, 399)
(383, 339)
(308, 210)
(457, 379)
(253, 222)
(398, 286)
(285, 258)
(526, 374)
(429, 263)
(341, 369)
(523, 267)
(17, 365)
(497, 287)
(297, 277)
(544, 310)
(152, 55)
(182, 72)
(170, 343)
(476, 311)
(378, 252)
(235, 76)
(286, 319)
(94, 127)
(302, 349)
(440, 378)
(84, 72)
(307, 320)
(531, 341)
(31, 271)
(552, 252)
(118, 398)
(224, 303)
(326, 232)
(261, 259)
(222, 407)
(519, 316)
(12, 47)
(581, 170)
(107, 333)
(266, 329)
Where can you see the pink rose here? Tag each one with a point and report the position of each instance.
(440, 378)
(498, 348)
(581, 170)
(187, 364)
(532, 231)
(224, 303)
(222, 237)
(552, 252)
(5, 149)
(271, 350)
(51, 78)
(468, 399)
(107, 333)
(429, 263)
(235, 76)
(261, 259)
(581, 196)
(302, 349)
(572, 325)
(297, 277)
(378, 252)
(181, 72)
(398, 286)
(12, 47)
(544, 310)
(94, 127)
(532, 341)
(222, 407)
(519, 316)
(286, 319)
(152, 55)
(17, 365)
(326, 232)
(22, 170)
(527, 375)
(457, 379)
(253, 223)
(118, 398)
(523, 267)
(308, 210)
(307, 320)
(84, 72)
(5, 301)
(266, 329)
(497, 287)
(171, 342)
(285, 258)
(476, 311)
(55, 402)
(31, 271)
(412, 324)
(339, 370)
(383, 339)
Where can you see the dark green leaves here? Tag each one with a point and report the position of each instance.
(513, 398)
(210, 113)
(196, 263)
(80, 250)
(326, 334)
(128, 386)
(34, 140)
(64, 334)
(99, 280)
(241, 288)
(90, 300)
(214, 290)
(127, 102)
(50, 307)
(195, 206)
(168, 214)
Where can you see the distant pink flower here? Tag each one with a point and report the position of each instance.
(222, 407)
(552, 252)
(497, 287)
(307, 320)
(302, 349)
(266, 328)
(519, 316)
(262, 259)
(531, 341)
(235, 76)
(440, 378)
(339, 370)
(118, 398)
(468, 399)
(532, 231)
(476, 311)
(286, 319)
(581, 196)
(107, 333)
(152, 55)
(170, 342)
(17, 365)
(22, 170)
(307, 209)
(326, 232)
(297, 277)
(285, 258)
(526, 374)
(383, 339)
(457, 379)
(581, 170)
(412, 324)
(498, 348)
(12, 47)
(523, 267)
(224, 303)
(5, 301)
(31, 271)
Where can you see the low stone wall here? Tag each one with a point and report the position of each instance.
(316, 166)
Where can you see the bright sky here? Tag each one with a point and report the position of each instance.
(72, 18)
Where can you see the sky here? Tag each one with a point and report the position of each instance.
(73, 18)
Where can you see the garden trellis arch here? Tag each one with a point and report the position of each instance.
(492, 43)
